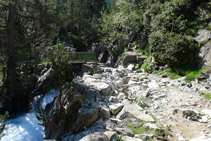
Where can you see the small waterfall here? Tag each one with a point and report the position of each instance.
(26, 127)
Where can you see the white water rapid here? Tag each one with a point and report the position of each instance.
(26, 127)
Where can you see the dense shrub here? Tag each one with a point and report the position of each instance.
(61, 65)
(170, 48)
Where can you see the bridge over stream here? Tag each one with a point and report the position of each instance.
(82, 57)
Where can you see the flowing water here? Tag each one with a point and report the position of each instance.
(26, 127)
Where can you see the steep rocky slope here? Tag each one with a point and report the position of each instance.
(130, 105)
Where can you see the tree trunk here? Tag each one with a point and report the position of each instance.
(13, 90)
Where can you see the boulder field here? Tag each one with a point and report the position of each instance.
(125, 104)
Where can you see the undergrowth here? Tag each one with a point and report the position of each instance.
(207, 96)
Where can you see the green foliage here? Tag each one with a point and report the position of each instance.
(191, 31)
(3, 119)
(138, 130)
(144, 51)
(142, 130)
(192, 75)
(168, 21)
(207, 96)
(61, 65)
(147, 66)
(173, 75)
(121, 24)
(170, 48)
(167, 73)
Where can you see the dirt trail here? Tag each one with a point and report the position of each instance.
(171, 110)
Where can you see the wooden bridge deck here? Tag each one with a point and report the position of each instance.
(82, 57)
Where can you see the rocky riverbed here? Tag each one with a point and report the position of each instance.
(126, 104)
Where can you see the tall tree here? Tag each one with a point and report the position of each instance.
(13, 89)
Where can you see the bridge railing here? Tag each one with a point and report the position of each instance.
(83, 56)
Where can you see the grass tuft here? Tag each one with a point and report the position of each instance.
(207, 96)
(137, 130)
(167, 73)
(191, 76)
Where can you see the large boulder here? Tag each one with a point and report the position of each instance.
(130, 58)
(205, 54)
(203, 35)
(70, 113)
(95, 137)
(61, 114)
(127, 138)
(86, 117)
(205, 61)
(103, 87)
(134, 110)
(116, 108)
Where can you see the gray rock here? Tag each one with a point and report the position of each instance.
(86, 117)
(69, 138)
(104, 112)
(55, 125)
(95, 137)
(192, 115)
(103, 87)
(112, 136)
(124, 131)
(206, 112)
(113, 99)
(91, 67)
(131, 66)
(135, 110)
(149, 136)
(116, 108)
(130, 58)
(127, 138)
(205, 55)
(121, 96)
(153, 85)
(152, 127)
(80, 87)
(131, 47)
(201, 138)
(125, 80)
(203, 35)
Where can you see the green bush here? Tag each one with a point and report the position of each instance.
(192, 75)
(167, 73)
(173, 75)
(191, 31)
(61, 65)
(147, 66)
(207, 96)
(145, 51)
(171, 48)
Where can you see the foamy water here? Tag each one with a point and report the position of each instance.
(26, 127)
